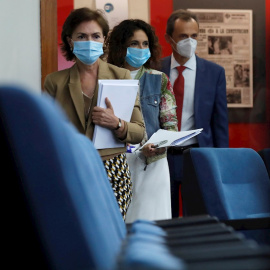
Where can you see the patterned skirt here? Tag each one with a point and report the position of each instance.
(119, 176)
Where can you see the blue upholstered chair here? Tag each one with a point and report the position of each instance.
(62, 213)
(230, 183)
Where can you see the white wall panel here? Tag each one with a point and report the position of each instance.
(20, 56)
(138, 9)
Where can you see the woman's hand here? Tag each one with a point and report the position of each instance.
(105, 116)
(149, 150)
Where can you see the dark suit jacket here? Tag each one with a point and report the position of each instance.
(210, 103)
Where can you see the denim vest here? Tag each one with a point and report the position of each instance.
(150, 97)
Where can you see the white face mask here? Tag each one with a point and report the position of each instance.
(186, 47)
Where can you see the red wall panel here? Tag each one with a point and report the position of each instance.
(159, 13)
(63, 9)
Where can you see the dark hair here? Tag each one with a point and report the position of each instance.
(76, 17)
(117, 43)
(181, 14)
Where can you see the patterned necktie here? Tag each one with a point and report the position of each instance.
(178, 89)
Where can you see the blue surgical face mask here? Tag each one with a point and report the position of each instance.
(88, 51)
(137, 57)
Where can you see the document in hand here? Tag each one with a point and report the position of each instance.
(122, 95)
(165, 138)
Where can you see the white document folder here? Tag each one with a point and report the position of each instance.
(166, 138)
(122, 95)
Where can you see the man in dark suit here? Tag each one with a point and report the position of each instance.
(204, 98)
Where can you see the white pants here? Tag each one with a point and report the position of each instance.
(151, 199)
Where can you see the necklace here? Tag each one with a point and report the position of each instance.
(87, 95)
(87, 106)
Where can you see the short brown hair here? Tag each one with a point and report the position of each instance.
(76, 17)
(181, 14)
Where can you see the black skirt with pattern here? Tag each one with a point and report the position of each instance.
(119, 176)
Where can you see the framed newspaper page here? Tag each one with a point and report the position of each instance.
(225, 38)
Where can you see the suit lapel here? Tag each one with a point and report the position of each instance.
(166, 65)
(199, 86)
(104, 74)
(103, 71)
(75, 90)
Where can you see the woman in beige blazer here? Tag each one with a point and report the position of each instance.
(76, 89)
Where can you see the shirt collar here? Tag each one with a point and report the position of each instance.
(190, 64)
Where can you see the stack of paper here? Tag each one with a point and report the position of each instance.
(122, 95)
(165, 138)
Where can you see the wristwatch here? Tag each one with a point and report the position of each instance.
(119, 124)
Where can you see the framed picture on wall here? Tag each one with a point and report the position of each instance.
(115, 10)
(226, 39)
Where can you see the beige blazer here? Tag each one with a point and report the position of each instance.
(65, 87)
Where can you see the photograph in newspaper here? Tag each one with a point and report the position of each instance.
(226, 38)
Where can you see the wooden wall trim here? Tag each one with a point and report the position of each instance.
(48, 38)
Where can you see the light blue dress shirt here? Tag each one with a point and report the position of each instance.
(188, 120)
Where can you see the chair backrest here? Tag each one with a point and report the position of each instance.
(265, 155)
(229, 183)
(60, 185)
